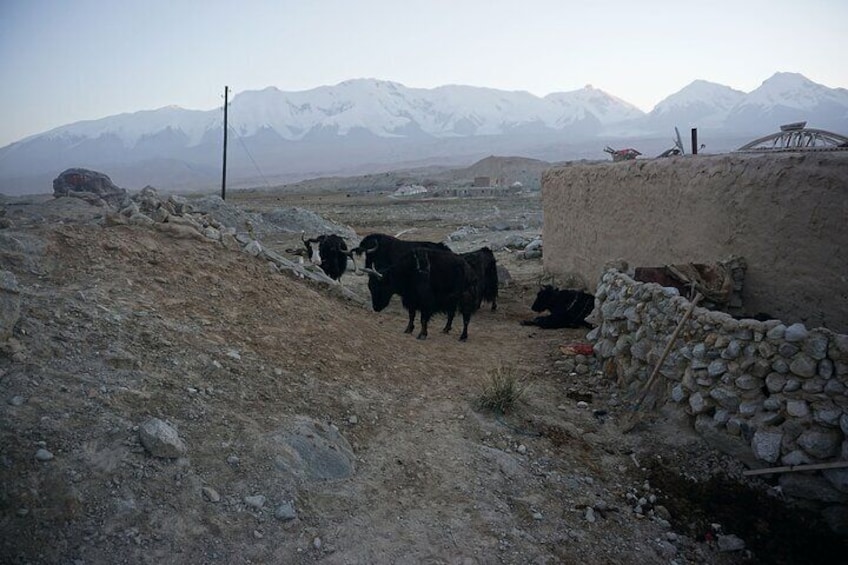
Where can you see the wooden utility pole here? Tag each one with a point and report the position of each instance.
(224, 173)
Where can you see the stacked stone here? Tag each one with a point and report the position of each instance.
(737, 267)
(769, 393)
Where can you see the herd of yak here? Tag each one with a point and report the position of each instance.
(430, 278)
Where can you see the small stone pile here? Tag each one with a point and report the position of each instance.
(767, 393)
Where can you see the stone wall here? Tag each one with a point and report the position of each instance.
(785, 214)
(768, 393)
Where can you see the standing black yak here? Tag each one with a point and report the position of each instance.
(486, 267)
(429, 281)
(382, 250)
(326, 251)
(428, 278)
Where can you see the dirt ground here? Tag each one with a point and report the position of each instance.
(120, 324)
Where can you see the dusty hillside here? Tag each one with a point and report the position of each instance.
(507, 169)
(120, 324)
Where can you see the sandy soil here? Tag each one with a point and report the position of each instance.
(121, 324)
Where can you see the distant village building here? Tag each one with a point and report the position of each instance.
(410, 190)
(481, 187)
(480, 191)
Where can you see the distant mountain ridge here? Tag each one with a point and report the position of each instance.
(362, 125)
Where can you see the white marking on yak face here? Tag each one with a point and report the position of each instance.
(316, 256)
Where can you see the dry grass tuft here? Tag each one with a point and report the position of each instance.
(501, 391)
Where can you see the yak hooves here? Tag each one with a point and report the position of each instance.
(463, 338)
(528, 323)
(422, 336)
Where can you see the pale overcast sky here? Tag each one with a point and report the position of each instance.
(63, 61)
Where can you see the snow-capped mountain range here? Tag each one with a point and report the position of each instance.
(368, 124)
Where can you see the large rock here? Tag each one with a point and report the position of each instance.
(533, 250)
(766, 445)
(161, 440)
(92, 186)
(309, 449)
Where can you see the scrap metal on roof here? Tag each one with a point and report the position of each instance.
(798, 137)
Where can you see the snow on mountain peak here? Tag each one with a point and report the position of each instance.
(390, 109)
(132, 127)
(703, 93)
(786, 81)
(791, 90)
(603, 106)
(369, 83)
(702, 103)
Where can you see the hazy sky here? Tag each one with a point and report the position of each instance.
(62, 61)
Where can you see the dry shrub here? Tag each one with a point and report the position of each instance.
(502, 390)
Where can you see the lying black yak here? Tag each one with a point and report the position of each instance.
(568, 308)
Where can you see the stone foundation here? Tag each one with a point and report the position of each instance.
(768, 393)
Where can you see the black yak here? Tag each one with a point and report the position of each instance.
(486, 267)
(568, 308)
(427, 280)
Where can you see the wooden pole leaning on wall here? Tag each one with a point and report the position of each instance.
(634, 416)
(794, 468)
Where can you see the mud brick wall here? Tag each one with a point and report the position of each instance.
(768, 393)
(785, 214)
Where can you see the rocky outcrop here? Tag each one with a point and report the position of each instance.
(311, 450)
(93, 187)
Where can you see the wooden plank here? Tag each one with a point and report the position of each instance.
(794, 468)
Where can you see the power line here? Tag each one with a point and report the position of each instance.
(252, 160)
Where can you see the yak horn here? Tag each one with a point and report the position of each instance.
(370, 271)
(359, 250)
